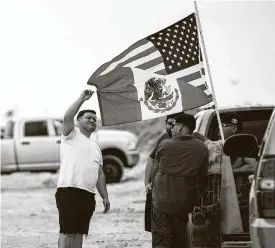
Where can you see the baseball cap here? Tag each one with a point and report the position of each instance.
(234, 119)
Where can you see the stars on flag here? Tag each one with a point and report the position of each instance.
(178, 43)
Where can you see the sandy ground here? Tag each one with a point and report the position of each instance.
(30, 219)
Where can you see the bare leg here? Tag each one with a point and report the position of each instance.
(70, 240)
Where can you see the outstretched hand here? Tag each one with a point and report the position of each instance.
(86, 94)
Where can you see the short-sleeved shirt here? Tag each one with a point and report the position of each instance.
(80, 161)
(161, 138)
(167, 136)
(181, 161)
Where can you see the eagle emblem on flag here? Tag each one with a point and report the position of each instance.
(159, 96)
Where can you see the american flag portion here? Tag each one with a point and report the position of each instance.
(173, 50)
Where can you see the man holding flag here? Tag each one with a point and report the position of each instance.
(80, 175)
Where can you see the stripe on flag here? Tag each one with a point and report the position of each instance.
(139, 50)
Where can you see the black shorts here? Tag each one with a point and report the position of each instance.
(75, 207)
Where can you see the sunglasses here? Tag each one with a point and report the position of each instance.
(172, 124)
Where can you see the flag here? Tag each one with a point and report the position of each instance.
(159, 75)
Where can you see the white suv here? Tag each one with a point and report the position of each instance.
(262, 192)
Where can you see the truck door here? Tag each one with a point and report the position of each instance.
(36, 146)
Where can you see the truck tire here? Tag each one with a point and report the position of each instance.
(113, 168)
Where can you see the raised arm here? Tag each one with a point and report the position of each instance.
(68, 122)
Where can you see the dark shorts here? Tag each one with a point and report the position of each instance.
(75, 207)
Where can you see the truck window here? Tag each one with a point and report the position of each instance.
(38, 128)
(58, 127)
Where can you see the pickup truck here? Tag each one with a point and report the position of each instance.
(213, 221)
(33, 144)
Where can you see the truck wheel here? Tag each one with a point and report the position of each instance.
(113, 168)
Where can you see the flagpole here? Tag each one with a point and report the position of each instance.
(228, 196)
(208, 69)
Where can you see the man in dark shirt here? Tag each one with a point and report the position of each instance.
(179, 165)
(170, 119)
(150, 162)
(148, 171)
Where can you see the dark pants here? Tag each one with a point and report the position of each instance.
(168, 230)
(148, 212)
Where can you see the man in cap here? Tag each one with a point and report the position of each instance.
(231, 124)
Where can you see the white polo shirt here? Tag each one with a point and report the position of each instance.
(80, 161)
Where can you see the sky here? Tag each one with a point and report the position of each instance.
(50, 48)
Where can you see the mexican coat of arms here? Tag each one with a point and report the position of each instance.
(159, 96)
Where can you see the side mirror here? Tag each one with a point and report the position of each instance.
(241, 145)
